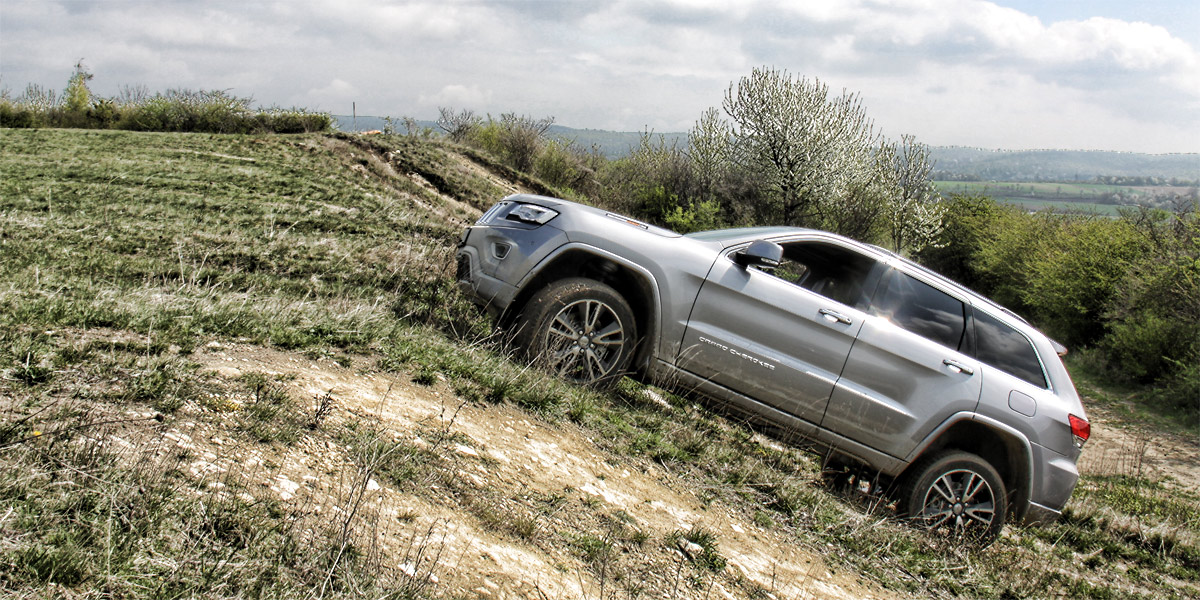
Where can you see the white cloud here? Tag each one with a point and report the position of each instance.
(458, 96)
(336, 93)
(954, 71)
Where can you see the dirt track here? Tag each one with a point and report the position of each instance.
(508, 454)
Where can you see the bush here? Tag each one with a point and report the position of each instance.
(967, 223)
(1075, 275)
(1180, 393)
(701, 216)
(173, 111)
(15, 115)
(562, 164)
(189, 111)
(651, 182)
(515, 139)
(1155, 313)
(1128, 287)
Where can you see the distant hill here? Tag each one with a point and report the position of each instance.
(959, 163)
(956, 163)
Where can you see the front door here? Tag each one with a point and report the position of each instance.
(781, 338)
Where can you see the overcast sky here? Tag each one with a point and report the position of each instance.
(1015, 74)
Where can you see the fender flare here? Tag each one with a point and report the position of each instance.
(655, 309)
(1022, 442)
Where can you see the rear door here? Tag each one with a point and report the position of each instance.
(908, 371)
(779, 338)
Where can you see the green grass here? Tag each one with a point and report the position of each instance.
(291, 241)
(121, 253)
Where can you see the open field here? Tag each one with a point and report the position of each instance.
(236, 366)
(1077, 197)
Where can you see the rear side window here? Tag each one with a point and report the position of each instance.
(922, 309)
(1007, 349)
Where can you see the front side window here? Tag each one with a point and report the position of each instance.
(1007, 349)
(921, 309)
(827, 269)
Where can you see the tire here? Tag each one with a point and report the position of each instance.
(579, 329)
(956, 495)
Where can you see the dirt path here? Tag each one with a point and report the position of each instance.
(510, 457)
(1155, 455)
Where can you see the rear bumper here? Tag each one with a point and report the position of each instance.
(1054, 479)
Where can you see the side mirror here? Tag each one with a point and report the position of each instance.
(762, 254)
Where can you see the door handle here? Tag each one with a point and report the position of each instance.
(958, 367)
(835, 317)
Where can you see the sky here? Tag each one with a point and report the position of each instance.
(1013, 74)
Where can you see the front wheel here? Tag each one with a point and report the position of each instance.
(580, 329)
(958, 495)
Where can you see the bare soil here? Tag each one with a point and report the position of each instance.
(515, 464)
(1153, 454)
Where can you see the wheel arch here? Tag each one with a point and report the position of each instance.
(1002, 447)
(637, 285)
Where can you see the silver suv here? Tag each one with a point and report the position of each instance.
(870, 357)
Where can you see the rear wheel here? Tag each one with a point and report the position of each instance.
(580, 329)
(957, 495)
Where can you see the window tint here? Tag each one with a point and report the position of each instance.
(921, 309)
(829, 270)
(1007, 349)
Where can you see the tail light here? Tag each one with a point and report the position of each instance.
(1081, 430)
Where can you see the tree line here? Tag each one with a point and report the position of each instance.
(135, 109)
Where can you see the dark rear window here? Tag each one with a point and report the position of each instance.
(1007, 349)
(922, 309)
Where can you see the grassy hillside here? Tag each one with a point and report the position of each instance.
(126, 257)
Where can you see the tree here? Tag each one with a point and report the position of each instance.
(914, 215)
(808, 147)
(709, 147)
(457, 125)
(78, 98)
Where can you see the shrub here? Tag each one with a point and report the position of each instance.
(78, 98)
(701, 216)
(652, 181)
(1181, 390)
(562, 164)
(15, 115)
(459, 126)
(967, 224)
(1155, 312)
(1075, 273)
(203, 111)
(520, 137)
